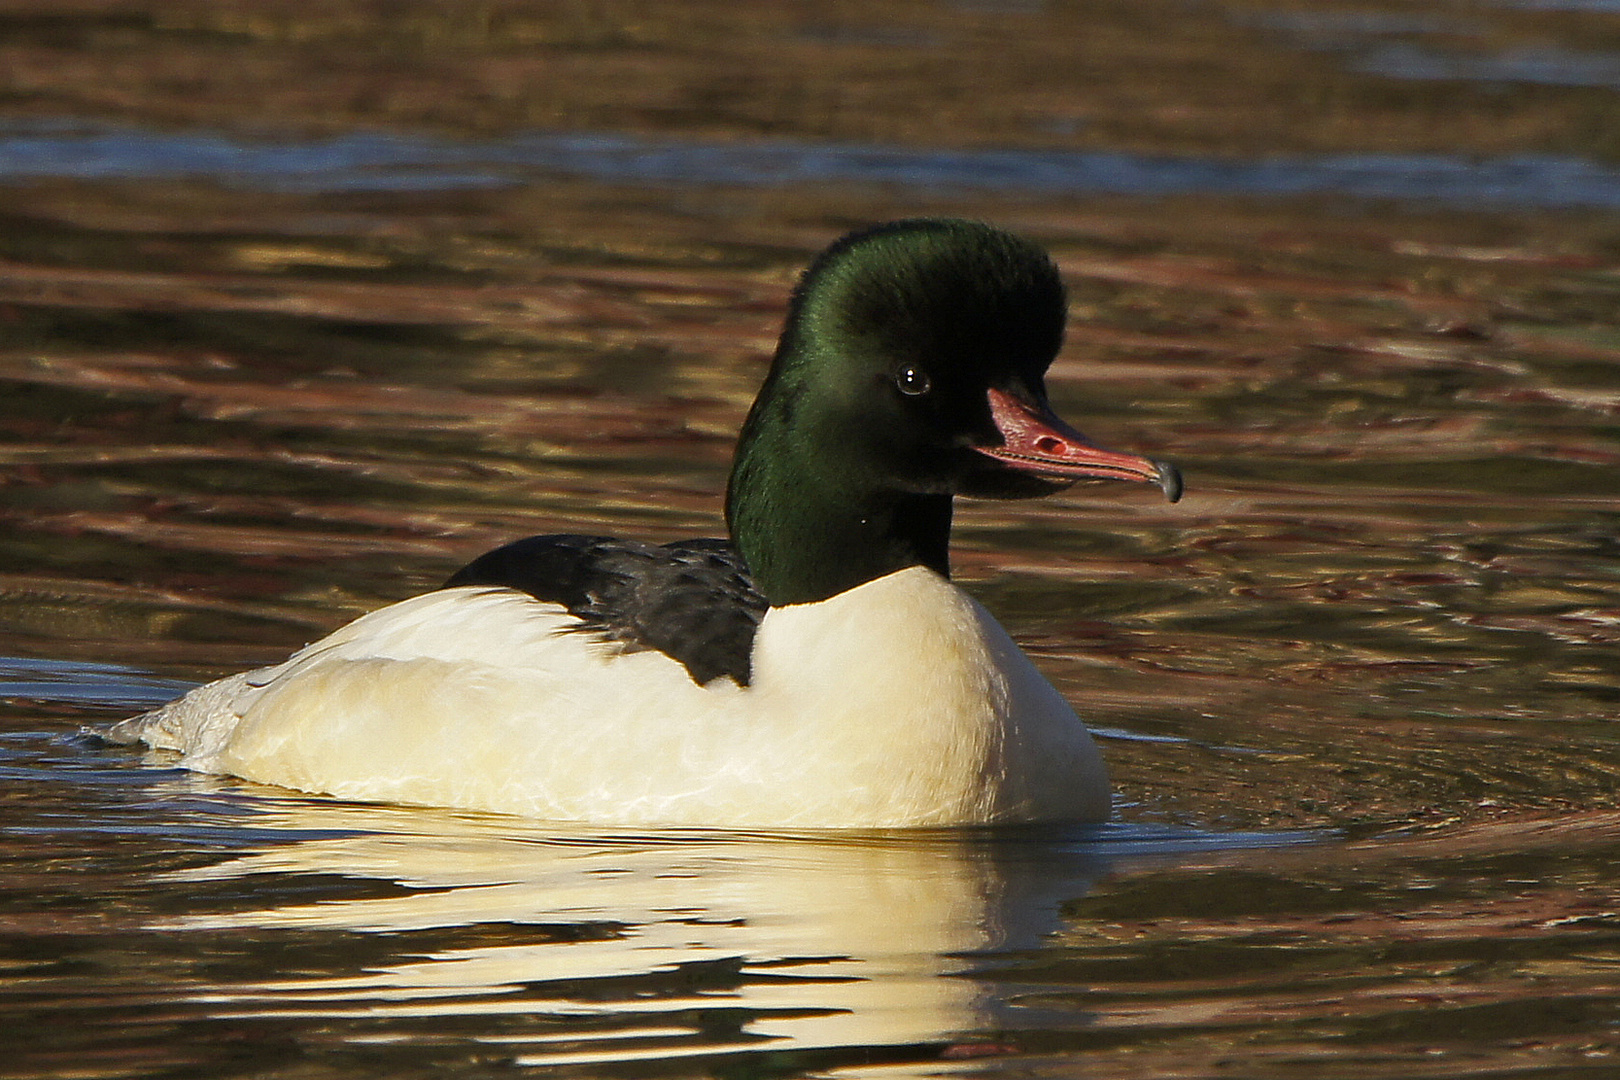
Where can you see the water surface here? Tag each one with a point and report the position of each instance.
(284, 338)
(391, 162)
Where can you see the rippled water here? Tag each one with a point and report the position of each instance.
(389, 162)
(297, 313)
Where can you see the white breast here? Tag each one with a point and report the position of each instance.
(897, 703)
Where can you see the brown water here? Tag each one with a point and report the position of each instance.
(299, 309)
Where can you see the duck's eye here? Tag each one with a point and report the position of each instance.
(913, 381)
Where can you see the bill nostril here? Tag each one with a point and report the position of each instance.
(1048, 445)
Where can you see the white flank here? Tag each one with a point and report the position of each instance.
(898, 703)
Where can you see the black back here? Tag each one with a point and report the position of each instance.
(692, 600)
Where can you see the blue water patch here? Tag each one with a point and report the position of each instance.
(1364, 37)
(371, 161)
(1561, 5)
(79, 683)
(1544, 65)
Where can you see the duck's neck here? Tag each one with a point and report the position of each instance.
(811, 523)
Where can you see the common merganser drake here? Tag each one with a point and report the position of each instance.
(819, 670)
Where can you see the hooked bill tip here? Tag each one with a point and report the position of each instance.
(1169, 480)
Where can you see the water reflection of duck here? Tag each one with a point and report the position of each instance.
(820, 670)
(571, 947)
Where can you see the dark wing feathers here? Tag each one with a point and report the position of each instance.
(692, 600)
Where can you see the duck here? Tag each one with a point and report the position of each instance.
(816, 670)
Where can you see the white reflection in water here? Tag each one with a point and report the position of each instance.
(832, 942)
(594, 946)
